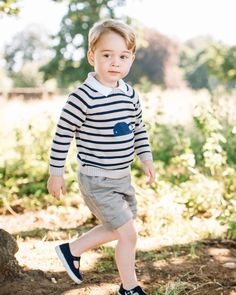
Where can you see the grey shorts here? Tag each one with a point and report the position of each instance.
(112, 201)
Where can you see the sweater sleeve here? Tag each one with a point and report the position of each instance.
(71, 119)
(141, 143)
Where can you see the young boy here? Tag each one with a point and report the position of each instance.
(105, 116)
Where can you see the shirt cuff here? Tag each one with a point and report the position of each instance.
(146, 157)
(56, 171)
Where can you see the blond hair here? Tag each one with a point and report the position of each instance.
(111, 25)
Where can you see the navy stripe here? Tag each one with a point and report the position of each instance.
(103, 128)
(104, 150)
(80, 99)
(106, 157)
(69, 122)
(110, 120)
(121, 168)
(57, 159)
(56, 166)
(139, 114)
(59, 151)
(73, 115)
(143, 138)
(139, 124)
(140, 132)
(110, 112)
(65, 136)
(64, 128)
(90, 88)
(77, 107)
(143, 152)
(139, 117)
(122, 94)
(91, 96)
(61, 143)
(96, 134)
(104, 142)
(111, 103)
(102, 164)
(140, 146)
(99, 128)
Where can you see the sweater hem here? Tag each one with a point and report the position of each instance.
(95, 171)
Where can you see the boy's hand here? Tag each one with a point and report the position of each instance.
(149, 171)
(55, 185)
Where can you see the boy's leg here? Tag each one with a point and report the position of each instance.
(94, 237)
(125, 254)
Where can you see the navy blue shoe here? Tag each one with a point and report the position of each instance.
(135, 291)
(67, 259)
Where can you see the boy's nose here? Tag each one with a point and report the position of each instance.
(115, 63)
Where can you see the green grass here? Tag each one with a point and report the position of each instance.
(106, 263)
(172, 288)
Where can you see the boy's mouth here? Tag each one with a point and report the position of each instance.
(114, 72)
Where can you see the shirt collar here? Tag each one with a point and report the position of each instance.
(104, 90)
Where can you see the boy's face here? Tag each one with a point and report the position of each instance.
(111, 59)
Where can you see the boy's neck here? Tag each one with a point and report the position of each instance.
(109, 86)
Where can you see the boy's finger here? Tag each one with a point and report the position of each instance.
(149, 178)
(63, 189)
(153, 176)
(56, 195)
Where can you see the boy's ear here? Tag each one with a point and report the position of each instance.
(90, 57)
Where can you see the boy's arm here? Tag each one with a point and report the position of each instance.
(72, 117)
(141, 144)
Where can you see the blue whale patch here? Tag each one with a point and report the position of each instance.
(122, 128)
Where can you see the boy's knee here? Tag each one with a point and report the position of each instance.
(132, 236)
(128, 232)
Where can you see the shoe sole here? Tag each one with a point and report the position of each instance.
(65, 264)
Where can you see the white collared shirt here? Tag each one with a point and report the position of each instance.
(104, 90)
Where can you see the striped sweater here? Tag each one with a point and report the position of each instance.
(107, 124)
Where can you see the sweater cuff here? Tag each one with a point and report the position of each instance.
(56, 171)
(146, 157)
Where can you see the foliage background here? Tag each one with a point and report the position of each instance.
(188, 97)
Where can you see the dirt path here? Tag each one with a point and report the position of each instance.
(196, 268)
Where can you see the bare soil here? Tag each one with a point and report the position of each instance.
(196, 268)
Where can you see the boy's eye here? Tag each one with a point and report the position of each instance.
(106, 55)
(123, 56)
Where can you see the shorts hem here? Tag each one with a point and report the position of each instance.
(119, 222)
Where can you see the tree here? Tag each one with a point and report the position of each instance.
(157, 60)
(221, 64)
(30, 45)
(9, 7)
(193, 56)
(28, 76)
(69, 63)
(23, 56)
(208, 64)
